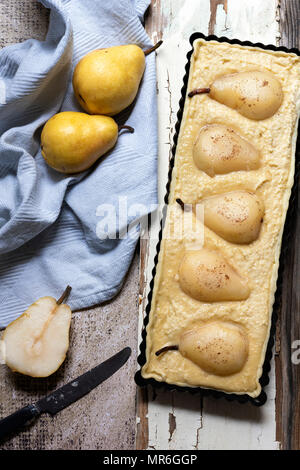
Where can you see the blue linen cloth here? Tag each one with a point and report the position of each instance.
(49, 223)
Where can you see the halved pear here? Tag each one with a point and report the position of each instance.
(255, 94)
(207, 276)
(218, 150)
(36, 343)
(235, 216)
(219, 348)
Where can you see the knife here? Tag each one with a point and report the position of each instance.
(65, 395)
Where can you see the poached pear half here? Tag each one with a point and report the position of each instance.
(218, 347)
(255, 94)
(219, 150)
(207, 276)
(235, 216)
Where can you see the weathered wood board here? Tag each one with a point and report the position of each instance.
(105, 418)
(288, 328)
(172, 420)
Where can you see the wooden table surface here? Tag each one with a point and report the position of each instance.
(107, 418)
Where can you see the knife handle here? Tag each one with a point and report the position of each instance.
(18, 419)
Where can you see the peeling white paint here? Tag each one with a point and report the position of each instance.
(253, 20)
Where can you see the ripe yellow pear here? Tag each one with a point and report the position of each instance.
(37, 342)
(207, 276)
(106, 81)
(255, 94)
(71, 142)
(235, 216)
(218, 150)
(219, 348)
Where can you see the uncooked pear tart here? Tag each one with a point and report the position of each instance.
(210, 308)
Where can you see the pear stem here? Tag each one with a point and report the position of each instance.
(174, 347)
(184, 207)
(153, 48)
(128, 128)
(180, 202)
(64, 295)
(198, 91)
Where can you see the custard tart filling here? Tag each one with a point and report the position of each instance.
(213, 294)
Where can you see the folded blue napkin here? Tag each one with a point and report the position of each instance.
(53, 226)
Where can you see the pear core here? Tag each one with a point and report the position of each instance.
(206, 275)
(219, 348)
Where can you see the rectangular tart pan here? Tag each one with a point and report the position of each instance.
(264, 379)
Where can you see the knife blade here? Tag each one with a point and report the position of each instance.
(66, 395)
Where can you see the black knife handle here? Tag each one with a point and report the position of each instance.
(18, 419)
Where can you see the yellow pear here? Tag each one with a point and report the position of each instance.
(106, 81)
(207, 276)
(219, 348)
(235, 216)
(71, 142)
(37, 342)
(218, 150)
(255, 94)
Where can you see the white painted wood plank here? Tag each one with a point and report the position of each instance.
(181, 421)
(234, 426)
(252, 20)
